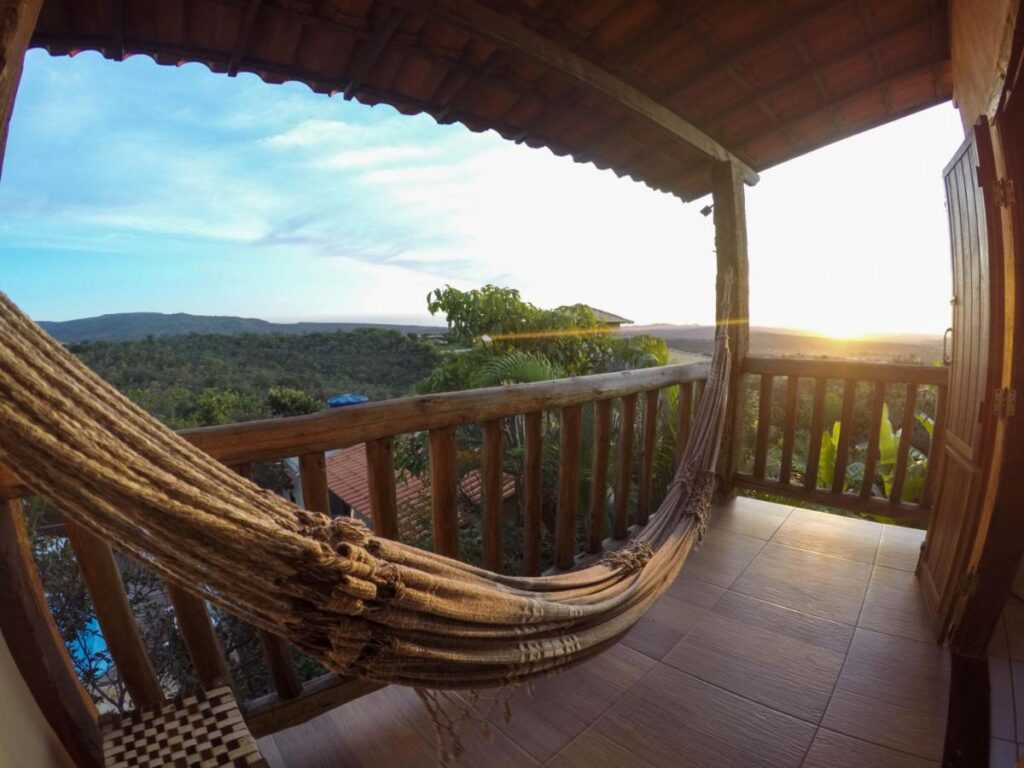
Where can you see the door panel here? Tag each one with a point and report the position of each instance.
(965, 449)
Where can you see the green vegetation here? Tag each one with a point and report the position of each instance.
(193, 380)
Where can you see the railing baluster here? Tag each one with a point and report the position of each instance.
(313, 477)
(196, 629)
(599, 475)
(935, 448)
(627, 425)
(871, 460)
(444, 487)
(684, 420)
(814, 439)
(764, 420)
(568, 488)
(906, 433)
(647, 455)
(532, 477)
(491, 476)
(114, 614)
(845, 428)
(380, 461)
(789, 430)
(275, 648)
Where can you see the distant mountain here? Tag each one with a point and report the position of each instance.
(128, 326)
(699, 339)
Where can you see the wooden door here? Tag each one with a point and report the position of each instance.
(966, 446)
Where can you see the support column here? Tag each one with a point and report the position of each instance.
(17, 21)
(730, 216)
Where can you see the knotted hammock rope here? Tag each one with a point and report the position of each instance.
(360, 604)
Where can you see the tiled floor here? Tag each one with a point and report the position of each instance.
(790, 638)
(1006, 681)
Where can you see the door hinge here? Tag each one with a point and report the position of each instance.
(1004, 195)
(1005, 403)
(968, 583)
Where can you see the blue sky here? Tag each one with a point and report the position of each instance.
(134, 187)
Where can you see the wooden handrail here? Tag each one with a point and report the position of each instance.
(889, 373)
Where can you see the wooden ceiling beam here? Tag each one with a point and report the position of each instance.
(248, 21)
(499, 30)
(117, 31)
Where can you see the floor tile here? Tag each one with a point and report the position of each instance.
(894, 605)
(900, 547)
(1017, 674)
(772, 655)
(721, 557)
(998, 645)
(1013, 616)
(751, 517)
(562, 706)
(829, 587)
(835, 750)
(669, 716)
(893, 692)
(663, 626)
(827, 534)
(1002, 754)
(593, 750)
(1002, 714)
(694, 591)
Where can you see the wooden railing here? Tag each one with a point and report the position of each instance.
(906, 387)
(376, 425)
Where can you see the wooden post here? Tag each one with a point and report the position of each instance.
(532, 478)
(444, 491)
(36, 645)
(17, 22)
(647, 455)
(731, 254)
(200, 638)
(599, 475)
(624, 476)
(313, 477)
(120, 632)
(492, 476)
(380, 460)
(568, 488)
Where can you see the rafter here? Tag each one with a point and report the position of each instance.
(117, 30)
(374, 48)
(723, 116)
(931, 68)
(248, 21)
(503, 32)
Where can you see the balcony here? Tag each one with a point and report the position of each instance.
(792, 637)
(790, 632)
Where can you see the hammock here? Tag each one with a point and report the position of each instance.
(359, 604)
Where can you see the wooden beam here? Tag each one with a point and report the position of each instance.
(491, 476)
(244, 33)
(37, 647)
(502, 31)
(568, 487)
(117, 30)
(624, 467)
(380, 460)
(17, 22)
(444, 491)
(313, 478)
(598, 521)
(732, 301)
(648, 449)
(533, 429)
(884, 373)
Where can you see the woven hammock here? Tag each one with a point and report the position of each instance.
(359, 604)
